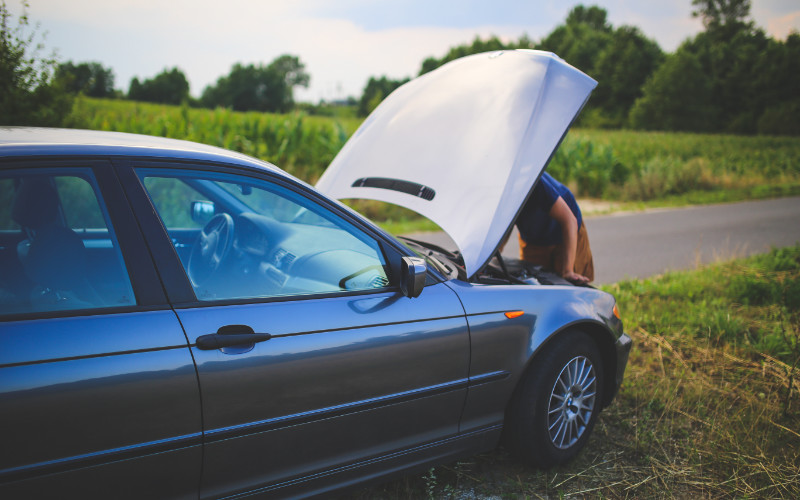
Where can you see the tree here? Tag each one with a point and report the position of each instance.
(376, 91)
(378, 88)
(779, 71)
(676, 97)
(621, 69)
(754, 81)
(582, 39)
(718, 13)
(477, 46)
(259, 88)
(290, 70)
(29, 95)
(167, 87)
(88, 78)
(729, 78)
(621, 60)
(730, 64)
(594, 17)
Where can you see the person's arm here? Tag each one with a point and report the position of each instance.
(569, 236)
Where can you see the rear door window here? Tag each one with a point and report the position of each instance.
(58, 250)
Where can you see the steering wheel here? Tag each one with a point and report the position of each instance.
(213, 245)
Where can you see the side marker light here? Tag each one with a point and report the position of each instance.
(616, 312)
(514, 314)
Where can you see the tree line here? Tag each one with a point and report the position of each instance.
(246, 88)
(35, 89)
(731, 77)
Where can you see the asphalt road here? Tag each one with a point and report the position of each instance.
(643, 244)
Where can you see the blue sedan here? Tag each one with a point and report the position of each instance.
(181, 321)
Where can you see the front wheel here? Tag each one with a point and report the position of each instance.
(556, 404)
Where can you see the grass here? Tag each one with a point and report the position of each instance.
(302, 145)
(642, 166)
(710, 405)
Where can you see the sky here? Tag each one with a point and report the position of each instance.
(341, 42)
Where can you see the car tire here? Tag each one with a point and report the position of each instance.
(555, 406)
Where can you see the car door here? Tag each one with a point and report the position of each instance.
(97, 383)
(343, 368)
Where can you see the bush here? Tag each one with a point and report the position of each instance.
(783, 259)
(782, 119)
(29, 94)
(588, 167)
(753, 290)
(662, 176)
(791, 295)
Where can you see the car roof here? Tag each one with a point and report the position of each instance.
(44, 142)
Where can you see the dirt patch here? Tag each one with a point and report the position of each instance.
(591, 206)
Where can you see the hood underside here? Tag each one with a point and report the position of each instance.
(464, 145)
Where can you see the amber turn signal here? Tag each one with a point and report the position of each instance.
(514, 314)
(616, 312)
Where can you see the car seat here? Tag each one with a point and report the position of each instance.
(53, 255)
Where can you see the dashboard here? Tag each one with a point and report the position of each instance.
(286, 258)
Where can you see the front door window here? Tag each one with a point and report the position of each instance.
(240, 237)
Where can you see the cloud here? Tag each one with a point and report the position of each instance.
(347, 55)
(342, 42)
(668, 23)
(780, 27)
(205, 38)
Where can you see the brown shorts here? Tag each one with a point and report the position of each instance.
(551, 256)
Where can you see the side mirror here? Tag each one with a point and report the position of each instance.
(413, 273)
(202, 211)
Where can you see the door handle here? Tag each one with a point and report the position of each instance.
(229, 336)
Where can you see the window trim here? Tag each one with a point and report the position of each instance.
(139, 270)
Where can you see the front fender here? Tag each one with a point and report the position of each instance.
(502, 348)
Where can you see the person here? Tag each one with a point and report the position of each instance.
(552, 232)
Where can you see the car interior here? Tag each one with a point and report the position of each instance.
(243, 241)
(46, 265)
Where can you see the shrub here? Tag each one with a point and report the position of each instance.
(587, 166)
(29, 94)
(782, 119)
(662, 176)
(754, 290)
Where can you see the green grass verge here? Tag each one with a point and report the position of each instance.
(732, 195)
(709, 406)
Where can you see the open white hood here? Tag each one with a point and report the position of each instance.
(463, 145)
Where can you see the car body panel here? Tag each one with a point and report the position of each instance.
(548, 310)
(465, 144)
(88, 391)
(412, 459)
(356, 376)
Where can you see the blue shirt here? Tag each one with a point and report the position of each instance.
(534, 222)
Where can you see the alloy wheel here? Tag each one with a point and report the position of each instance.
(572, 402)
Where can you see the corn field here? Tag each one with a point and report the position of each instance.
(615, 165)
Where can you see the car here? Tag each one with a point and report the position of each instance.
(177, 320)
